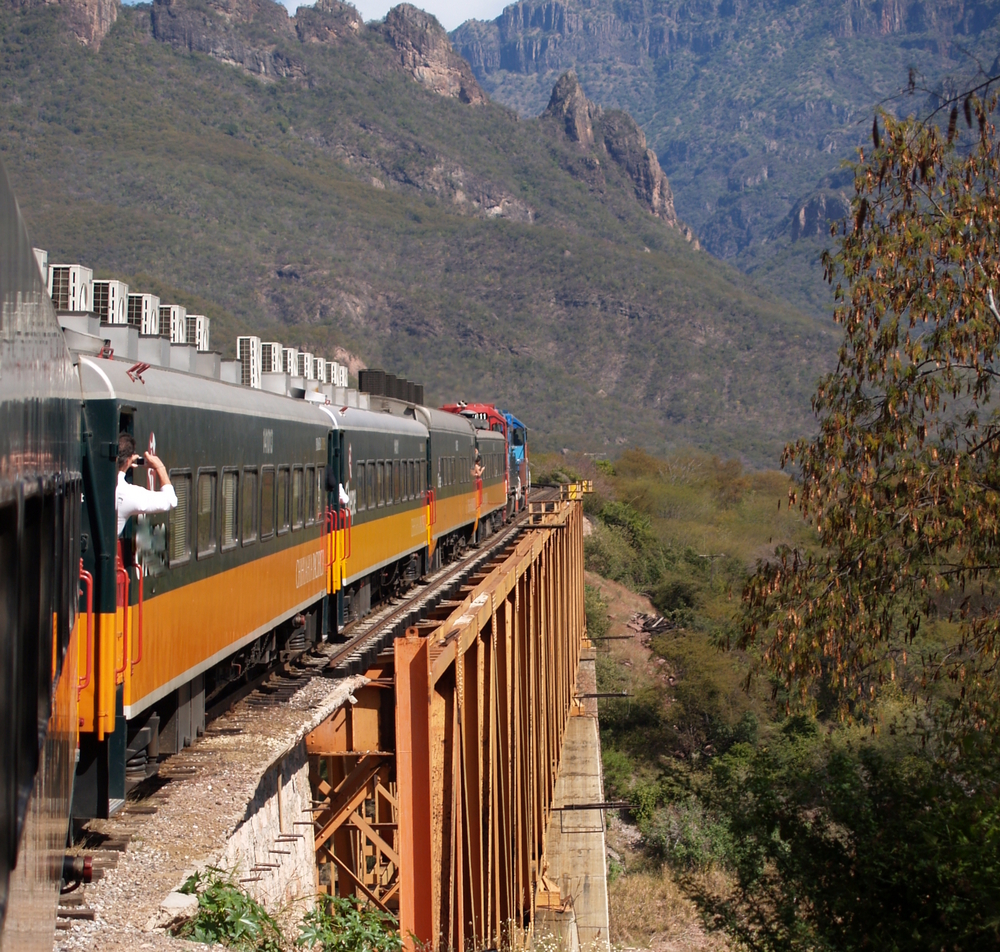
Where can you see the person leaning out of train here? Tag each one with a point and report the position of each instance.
(477, 466)
(132, 500)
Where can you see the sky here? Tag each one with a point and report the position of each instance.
(450, 13)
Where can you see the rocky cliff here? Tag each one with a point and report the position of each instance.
(254, 35)
(89, 20)
(328, 21)
(426, 53)
(616, 136)
(532, 36)
(219, 29)
(749, 105)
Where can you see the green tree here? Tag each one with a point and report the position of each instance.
(902, 482)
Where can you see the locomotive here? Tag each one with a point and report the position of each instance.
(297, 514)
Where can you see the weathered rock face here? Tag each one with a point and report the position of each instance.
(218, 28)
(814, 216)
(615, 134)
(327, 22)
(626, 144)
(569, 104)
(884, 17)
(532, 36)
(89, 20)
(427, 54)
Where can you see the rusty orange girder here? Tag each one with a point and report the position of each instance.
(482, 701)
(355, 813)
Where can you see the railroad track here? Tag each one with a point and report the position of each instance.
(365, 639)
(368, 636)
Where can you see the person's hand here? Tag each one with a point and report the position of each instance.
(153, 460)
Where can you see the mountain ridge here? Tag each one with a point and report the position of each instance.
(751, 106)
(349, 204)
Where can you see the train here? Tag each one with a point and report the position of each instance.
(296, 515)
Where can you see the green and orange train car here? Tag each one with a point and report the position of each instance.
(261, 556)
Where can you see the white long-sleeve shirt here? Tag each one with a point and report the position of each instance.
(132, 500)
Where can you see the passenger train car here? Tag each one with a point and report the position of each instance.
(294, 518)
(260, 557)
(39, 571)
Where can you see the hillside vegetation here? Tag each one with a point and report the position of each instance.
(767, 826)
(751, 106)
(295, 179)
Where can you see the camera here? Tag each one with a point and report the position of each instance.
(140, 461)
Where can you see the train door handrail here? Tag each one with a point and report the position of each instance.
(138, 657)
(121, 591)
(83, 683)
(432, 506)
(347, 524)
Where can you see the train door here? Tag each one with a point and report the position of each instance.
(100, 785)
(334, 612)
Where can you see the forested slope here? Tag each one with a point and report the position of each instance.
(751, 106)
(335, 184)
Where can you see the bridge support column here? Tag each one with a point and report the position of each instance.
(483, 697)
(413, 760)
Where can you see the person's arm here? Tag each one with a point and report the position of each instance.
(137, 500)
(161, 470)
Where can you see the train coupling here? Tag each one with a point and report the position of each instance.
(77, 870)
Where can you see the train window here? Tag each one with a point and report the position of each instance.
(370, 483)
(249, 506)
(410, 491)
(267, 502)
(359, 482)
(319, 493)
(397, 482)
(297, 498)
(439, 472)
(380, 482)
(517, 437)
(206, 514)
(310, 495)
(283, 480)
(180, 519)
(230, 509)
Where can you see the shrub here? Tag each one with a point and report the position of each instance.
(339, 925)
(596, 609)
(228, 916)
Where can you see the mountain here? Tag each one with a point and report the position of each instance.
(751, 106)
(333, 184)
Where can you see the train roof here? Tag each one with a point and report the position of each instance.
(352, 418)
(441, 421)
(109, 379)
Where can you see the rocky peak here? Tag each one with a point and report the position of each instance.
(219, 29)
(426, 53)
(569, 105)
(327, 22)
(617, 135)
(89, 20)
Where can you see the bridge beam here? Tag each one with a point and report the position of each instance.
(482, 703)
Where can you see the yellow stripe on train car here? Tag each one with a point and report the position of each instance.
(192, 627)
